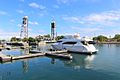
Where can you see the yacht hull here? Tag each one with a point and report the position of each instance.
(76, 48)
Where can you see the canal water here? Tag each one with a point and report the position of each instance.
(105, 65)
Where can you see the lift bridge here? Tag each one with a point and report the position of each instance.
(24, 29)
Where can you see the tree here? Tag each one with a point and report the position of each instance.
(30, 39)
(100, 38)
(59, 37)
(25, 39)
(117, 37)
(47, 36)
(13, 39)
(39, 38)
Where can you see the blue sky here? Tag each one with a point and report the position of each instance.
(87, 17)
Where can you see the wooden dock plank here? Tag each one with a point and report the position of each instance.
(5, 58)
(28, 56)
(64, 56)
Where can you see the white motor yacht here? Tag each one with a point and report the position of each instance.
(73, 44)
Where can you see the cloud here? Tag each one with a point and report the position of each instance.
(72, 19)
(33, 23)
(21, 0)
(85, 29)
(63, 1)
(56, 6)
(107, 18)
(104, 16)
(20, 11)
(3, 13)
(66, 1)
(42, 13)
(41, 31)
(7, 35)
(35, 5)
(19, 25)
(93, 1)
(12, 20)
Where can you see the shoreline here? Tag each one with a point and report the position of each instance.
(108, 42)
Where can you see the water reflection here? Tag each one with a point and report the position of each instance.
(25, 62)
(80, 61)
(25, 66)
(52, 60)
(25, 51)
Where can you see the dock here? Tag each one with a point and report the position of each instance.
(5, 58)
(57, 54)
(34, 51)
(28, 56)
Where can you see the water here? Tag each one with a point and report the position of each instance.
(105, 65)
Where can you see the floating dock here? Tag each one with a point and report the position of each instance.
(59, 54)
(5, 58)
(56, 54)
(35, 51)
(28, 56)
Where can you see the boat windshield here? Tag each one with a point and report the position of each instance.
(84, 42)
(69, 42)
(59, 41)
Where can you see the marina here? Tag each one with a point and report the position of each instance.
(101, 66)
(59, 40)
(34, 53)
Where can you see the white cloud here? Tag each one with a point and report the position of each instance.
(41, 14)
(73, 19)
(3, 13)
(22, 0)
(93, 1)
(41, 31)
(33, 23)
(64, 1)
(107, 18)
(7, 35)
(19, 25)
(29, 29)
(85, 29)
(12, 20)
(35, 5)
(20, 11)
(104, 16)
(56, 6)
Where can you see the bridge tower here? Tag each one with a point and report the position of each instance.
(24, 29)
(53, 30)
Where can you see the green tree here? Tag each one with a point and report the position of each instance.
(59, 37)
(47, 36)
(13, 39)
(31, 39)
(100, 38)
(25, 39)
(117, 37)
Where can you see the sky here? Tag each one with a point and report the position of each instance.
(86, 17)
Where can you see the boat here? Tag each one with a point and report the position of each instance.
(75, 44)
